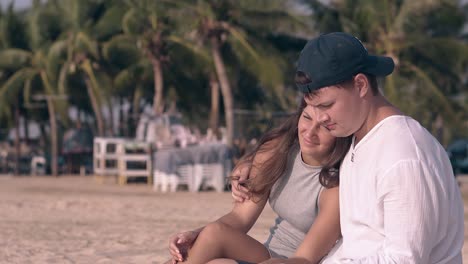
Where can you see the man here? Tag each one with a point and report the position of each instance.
(399, 202)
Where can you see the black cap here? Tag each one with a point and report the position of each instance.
(336, 57)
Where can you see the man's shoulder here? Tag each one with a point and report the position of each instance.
(403, 131)
(403, 138)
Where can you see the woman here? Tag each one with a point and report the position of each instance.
(290, 166)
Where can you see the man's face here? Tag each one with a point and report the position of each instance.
(338, 109)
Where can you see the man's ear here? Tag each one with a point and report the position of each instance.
(362, 84)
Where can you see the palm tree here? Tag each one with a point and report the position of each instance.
(10, 38)
(223, 26)
(23, 63)
(148, 22)
(422, 38)
(130, 72)
(201, 56)
(118, 52)
(34, 70)
(82, 50)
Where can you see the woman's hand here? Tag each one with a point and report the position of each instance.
(180, 243)
(240, 193)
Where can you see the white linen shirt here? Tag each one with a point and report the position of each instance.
(399, 200)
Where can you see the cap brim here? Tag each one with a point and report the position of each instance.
(379, 65)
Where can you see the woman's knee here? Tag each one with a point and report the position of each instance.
(214, 230)
(210, 243)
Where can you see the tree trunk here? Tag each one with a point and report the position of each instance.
(438, 129)
(95, 105)
(136, 110)
(53, 138)
(111, 117)
(392, 92)
(26, 127)
(225, 89)
(43, 138)
(122, 121)
(158, 86)
(214, 113)
(17, 139)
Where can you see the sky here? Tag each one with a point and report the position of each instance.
(19, 4)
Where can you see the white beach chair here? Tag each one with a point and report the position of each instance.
(169, 182)
(209, 175)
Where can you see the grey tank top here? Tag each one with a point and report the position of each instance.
(294, 198)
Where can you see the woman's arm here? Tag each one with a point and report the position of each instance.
(244, 215)
(325, 230)
(237, 223)
(322, 235)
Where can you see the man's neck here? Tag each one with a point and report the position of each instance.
(379, 109)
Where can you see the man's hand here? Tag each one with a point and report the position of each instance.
(240, 193)
(180, 243)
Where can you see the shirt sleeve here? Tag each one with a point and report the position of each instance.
(408, 194)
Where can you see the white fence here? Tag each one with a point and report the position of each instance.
(122, 159)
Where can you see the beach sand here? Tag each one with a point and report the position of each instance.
(74, 219)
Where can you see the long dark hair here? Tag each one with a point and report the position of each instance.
(282, 141)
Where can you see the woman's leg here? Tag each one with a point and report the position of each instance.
(218, 240)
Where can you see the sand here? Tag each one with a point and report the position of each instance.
(77, 220)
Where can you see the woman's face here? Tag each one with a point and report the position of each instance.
(315, 141)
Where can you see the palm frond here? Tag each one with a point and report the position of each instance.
(123, 79)
(444, 51)
(242, 40)
(437, 94)
(13, 86)
(411, 8)
(197, 50)
(13, 59)
(110, 23)
(268, 68)
(62, 77)
(132, 23)
(121, 51)
(56, 56)
(85, 43)
(45, 25)
(204, 10)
